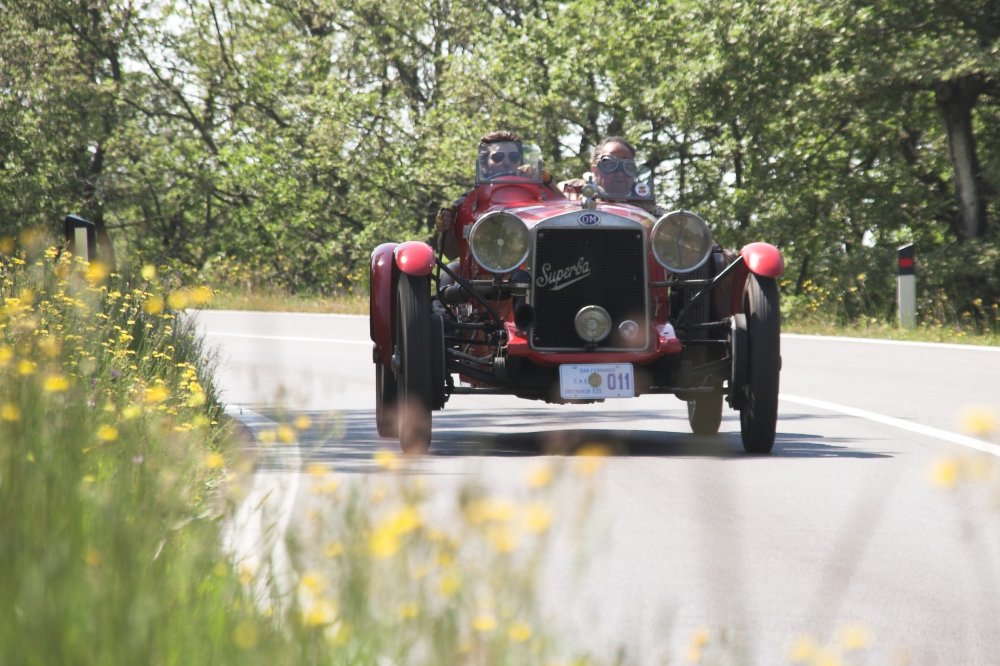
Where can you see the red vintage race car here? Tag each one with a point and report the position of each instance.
(578, 299)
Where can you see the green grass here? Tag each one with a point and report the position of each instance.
(892, 331)
(117, 470)
(276, 301)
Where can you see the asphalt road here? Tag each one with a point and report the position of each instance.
(841, 537)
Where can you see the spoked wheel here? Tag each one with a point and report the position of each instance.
(386, 418)
(705, 414)
(412, 360)
(759, 404)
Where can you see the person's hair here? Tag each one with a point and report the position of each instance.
(608, 140)
(498, 136)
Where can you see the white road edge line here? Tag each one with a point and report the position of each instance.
(901, 343)
(936, 433)
(254, 336)
(256, 532)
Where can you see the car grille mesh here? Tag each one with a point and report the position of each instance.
(574, 268)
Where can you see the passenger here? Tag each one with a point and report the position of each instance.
(613, 168)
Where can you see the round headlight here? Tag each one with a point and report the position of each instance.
(499, 242)
(593, 323)
(681, 241)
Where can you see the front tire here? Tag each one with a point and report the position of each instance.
(759, 408)
(412, 357)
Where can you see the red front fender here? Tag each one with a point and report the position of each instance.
(415, 258)
(380, 300)
(412, 258)
(763, 259)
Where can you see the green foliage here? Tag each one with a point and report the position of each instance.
(293, 137)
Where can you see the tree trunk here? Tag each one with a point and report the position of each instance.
(956, 99)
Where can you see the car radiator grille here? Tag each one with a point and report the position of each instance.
(574, 268)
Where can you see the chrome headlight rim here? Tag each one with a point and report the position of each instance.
(696, 226)
(592, 314)
(523, 235)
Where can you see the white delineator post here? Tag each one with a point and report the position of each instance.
(81, 237)
(906, 287)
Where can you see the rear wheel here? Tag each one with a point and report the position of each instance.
(412, 360)
(705, 414)
(759, 404)
(386, 419)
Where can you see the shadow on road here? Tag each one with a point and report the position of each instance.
(348, 439)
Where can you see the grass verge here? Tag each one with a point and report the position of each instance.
(113, 451)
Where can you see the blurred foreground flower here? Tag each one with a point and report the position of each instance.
(944, 473)
(979, 421)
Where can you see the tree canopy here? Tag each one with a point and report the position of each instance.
(289, 137)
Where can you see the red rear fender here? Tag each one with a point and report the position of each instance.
(763, 259)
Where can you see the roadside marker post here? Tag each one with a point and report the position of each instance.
(906, 287)
(81, 237)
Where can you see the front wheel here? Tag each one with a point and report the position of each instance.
(759, 404)
(412, 361)
(705, 414)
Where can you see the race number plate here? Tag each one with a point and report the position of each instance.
(596, 381)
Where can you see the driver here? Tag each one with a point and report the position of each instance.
(500, 154)
(501, 157)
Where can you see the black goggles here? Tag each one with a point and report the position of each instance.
(513, 156)
(609, 164)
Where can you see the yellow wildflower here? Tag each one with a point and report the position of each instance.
(519, 632)
(156, 394)
(450, 584)
(6, 354)
(321, 612)
(97, 272)
(55, 384)
(10, 412)
(245, 635)
(26, 367)
(153, 306)
(316, 469)
(201, 295)
(409, 610)
(979, 421)
(855, 637)
(214, 460)
(387, 459)
(538, 517)
(590, 458)
(945, 473)
(177, 300)
(149, 272)
(314, 582)
(540, 476)
(484, 622)
(107, 433)
(803, 650)
(286, 435)
(302, 422)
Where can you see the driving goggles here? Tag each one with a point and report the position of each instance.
(513, 156)
(609, 164)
